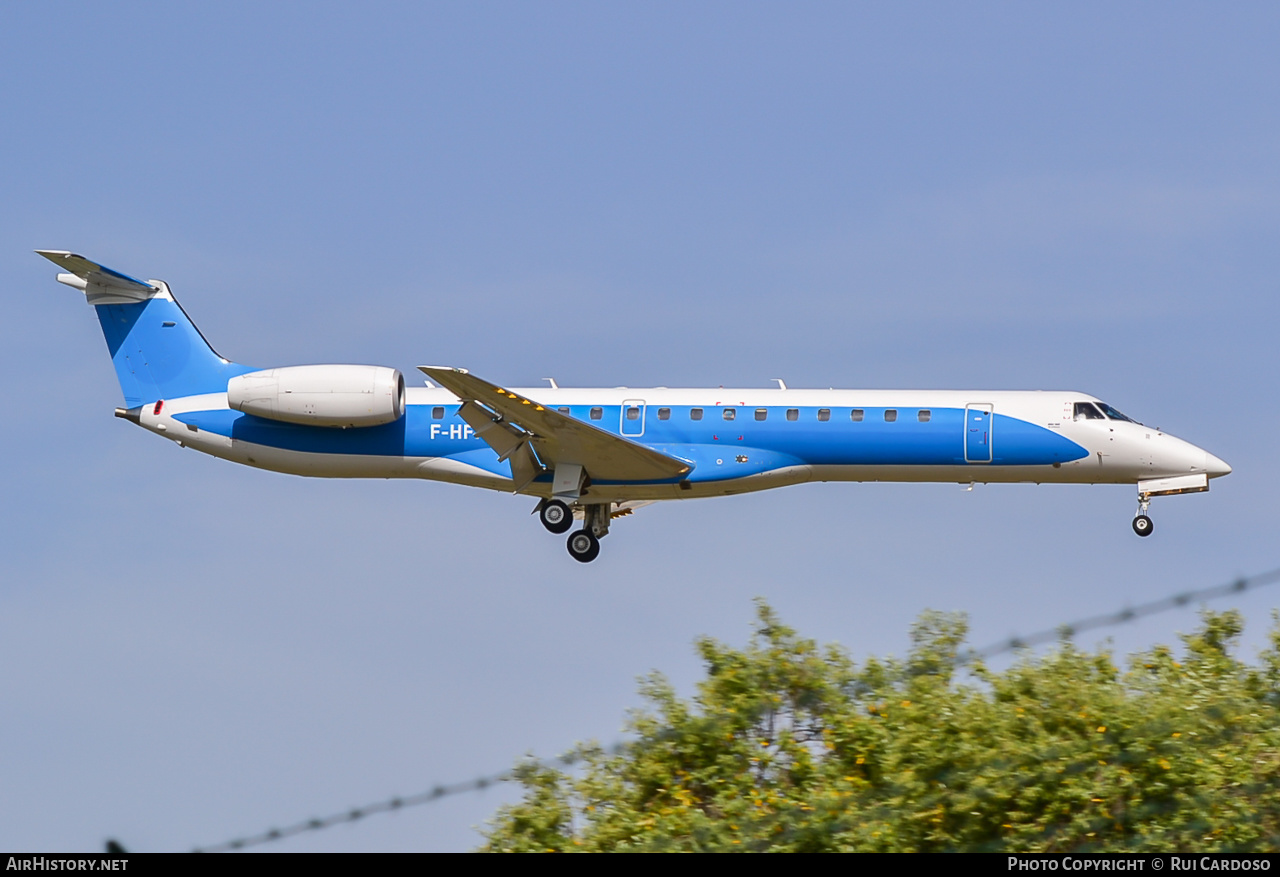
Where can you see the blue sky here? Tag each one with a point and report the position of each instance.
(852, 195)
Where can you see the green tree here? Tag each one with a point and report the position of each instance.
(788, 746)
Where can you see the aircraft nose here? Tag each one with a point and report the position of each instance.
(1215, 466)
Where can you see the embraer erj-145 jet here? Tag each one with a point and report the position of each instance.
(596, 454)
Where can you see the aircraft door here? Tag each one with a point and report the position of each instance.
(633, 418)
(977, 432)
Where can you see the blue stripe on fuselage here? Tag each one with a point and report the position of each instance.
(410, 436)
(767, 445)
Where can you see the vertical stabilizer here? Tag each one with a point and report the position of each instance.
(157, 351)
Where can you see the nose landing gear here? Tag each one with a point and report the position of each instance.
(1141, 523)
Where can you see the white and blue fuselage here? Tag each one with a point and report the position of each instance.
(595, 453)
(736, 440)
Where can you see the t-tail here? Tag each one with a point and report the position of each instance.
(156, 349)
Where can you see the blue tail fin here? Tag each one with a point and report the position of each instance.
(156, 349)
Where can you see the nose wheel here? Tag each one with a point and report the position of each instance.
(1141, 523)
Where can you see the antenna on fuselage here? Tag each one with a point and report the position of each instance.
(782, 385)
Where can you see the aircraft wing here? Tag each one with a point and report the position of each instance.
(510, 423)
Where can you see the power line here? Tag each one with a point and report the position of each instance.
(1013, 644)
(355, 814)
(1133, 613)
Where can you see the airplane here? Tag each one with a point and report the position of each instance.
(598, 454)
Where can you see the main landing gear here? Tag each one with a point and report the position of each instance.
(1141, 523)
(584, 544)
(555, 516)
(584, 547)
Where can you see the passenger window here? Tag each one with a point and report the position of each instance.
(437, 413)
(730, 413)
(664, 413)
(890, 415)
(793, 414)
(1086, 411)
(597, 413)
(564, 410)
(762, 413)
(695, 413)
(633, 413)
(923, 415)
(824, 414)
(856, 415)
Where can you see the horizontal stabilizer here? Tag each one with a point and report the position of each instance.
(557, 438)
(101, 284)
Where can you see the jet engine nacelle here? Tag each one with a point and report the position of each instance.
(321, 395)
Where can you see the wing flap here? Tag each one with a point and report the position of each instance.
(557, 438)
(497, 434)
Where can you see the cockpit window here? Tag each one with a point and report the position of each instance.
(1113, 413)
(1086, 411)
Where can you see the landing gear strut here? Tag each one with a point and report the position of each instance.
(1141, 523)
(584, 545)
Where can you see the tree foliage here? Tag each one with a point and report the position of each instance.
(788, 746)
